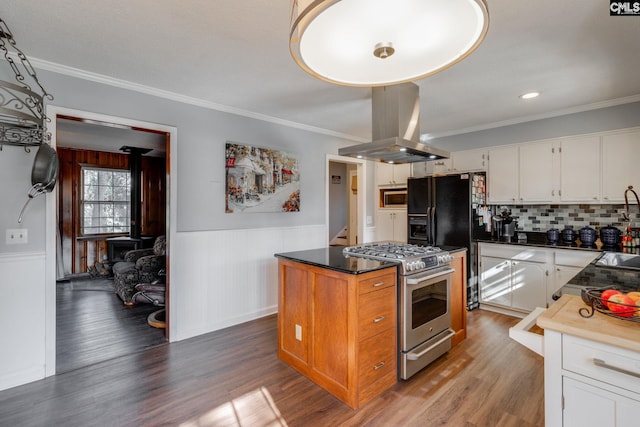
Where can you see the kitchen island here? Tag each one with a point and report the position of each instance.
(591, 367)
(337, 321)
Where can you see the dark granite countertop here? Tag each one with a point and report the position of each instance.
(332, 258)
(539, 239)
(594, 275)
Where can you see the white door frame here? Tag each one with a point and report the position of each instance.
(51, 206)
(362, 197)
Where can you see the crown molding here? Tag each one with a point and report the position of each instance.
(547, 115)
(148, 90)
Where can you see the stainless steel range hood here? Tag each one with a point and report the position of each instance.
(396, 128)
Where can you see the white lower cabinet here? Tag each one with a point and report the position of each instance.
(513, 278)
(528, 285)
(495, 281)
(567, 264)
(521, 278)
(586, 405)
(589, 383)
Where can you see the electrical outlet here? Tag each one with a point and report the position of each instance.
(16, 236)
(299, 332)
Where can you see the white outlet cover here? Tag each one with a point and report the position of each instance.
(16, 236)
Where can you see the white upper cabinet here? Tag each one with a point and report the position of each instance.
(580, 169)
(438, 167)
(620, 156)
(537, 177)
(502, 175)
(392, 175)
(594, 168)
(469, 160)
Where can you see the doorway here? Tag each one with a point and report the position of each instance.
(345, 201)
(66, 309)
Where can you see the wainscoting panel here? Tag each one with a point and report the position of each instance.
(222, 278)
(22, 293)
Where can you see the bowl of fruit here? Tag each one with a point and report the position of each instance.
(612, 301)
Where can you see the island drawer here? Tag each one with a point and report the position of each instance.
(377, 312)
(611, 365)
(377, 359)
(377, 282)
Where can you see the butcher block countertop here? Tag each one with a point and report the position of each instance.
(563, 317)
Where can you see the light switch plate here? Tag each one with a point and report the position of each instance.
(16, 236)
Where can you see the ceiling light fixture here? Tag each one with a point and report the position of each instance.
(383, 42)
(22, 117)
(530, 95)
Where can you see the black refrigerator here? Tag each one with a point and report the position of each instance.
(443, 211)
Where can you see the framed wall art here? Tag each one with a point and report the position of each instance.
(260, 180)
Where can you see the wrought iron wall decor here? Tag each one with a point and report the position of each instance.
(22, 117)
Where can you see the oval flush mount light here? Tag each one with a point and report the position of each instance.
(383, 42)
(530, 95)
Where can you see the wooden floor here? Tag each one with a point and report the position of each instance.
(93, 325)
(233, 377)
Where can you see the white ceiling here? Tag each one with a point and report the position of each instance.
(235, 54)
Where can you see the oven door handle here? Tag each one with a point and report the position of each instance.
(416, 356)
(428, 276)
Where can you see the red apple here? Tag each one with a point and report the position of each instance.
(621, 305)
(604, 296)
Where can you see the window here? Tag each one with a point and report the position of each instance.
(106, 200)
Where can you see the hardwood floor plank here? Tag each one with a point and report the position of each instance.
(92, 325)
(233, 377)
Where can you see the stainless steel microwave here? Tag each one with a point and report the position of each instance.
(395, 198)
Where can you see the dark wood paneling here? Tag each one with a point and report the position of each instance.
(78, 252)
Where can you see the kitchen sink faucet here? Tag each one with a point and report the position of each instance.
(626, 202)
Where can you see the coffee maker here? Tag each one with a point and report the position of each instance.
(504, 226)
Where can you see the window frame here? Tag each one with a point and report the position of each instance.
(124, 229)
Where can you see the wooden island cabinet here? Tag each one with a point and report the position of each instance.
(459, 296)
(339, 328)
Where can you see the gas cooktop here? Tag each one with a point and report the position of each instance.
(412, 258)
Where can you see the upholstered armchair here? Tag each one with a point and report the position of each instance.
(139, 266)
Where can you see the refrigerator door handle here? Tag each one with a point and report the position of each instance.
(429, 225)
(433, 225)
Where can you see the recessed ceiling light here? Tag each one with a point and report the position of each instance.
(390, 162)
(403, 149)
(530, 95)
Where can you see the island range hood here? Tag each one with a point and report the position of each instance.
(396, 128)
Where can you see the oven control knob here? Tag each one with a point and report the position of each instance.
(421, 264)
(445, 259)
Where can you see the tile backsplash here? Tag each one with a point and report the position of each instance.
(544, 217)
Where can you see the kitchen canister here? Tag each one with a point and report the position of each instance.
(553, 234)
(568, 235)
(587, 235)
(610, 235)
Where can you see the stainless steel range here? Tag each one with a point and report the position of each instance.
(424, 287)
